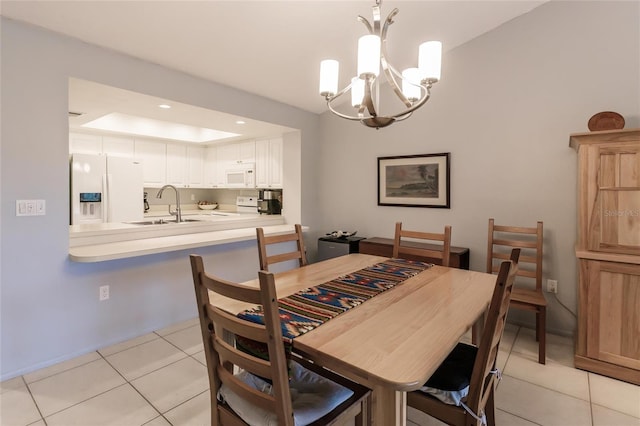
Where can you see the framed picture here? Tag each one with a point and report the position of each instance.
(414, 181)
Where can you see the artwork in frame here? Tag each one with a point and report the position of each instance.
(414, 181)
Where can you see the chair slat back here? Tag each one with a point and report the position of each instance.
(482, 378)
(529, 239)
(445, 238)
(265, 241)
(218, 327)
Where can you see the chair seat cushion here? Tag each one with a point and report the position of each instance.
(450, 382)
(312, 396)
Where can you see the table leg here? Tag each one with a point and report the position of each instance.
(389, 407)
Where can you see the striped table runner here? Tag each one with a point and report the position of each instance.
(307, 309)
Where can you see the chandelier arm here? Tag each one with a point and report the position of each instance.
(339, 114)
(416, 105)
(366, 23)
(386, 66)
(368, 96)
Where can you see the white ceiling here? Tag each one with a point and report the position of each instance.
(269, 48)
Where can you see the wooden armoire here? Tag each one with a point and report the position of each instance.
(608, 252)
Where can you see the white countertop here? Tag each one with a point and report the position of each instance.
(109, 241)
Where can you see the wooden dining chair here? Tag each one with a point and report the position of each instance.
(260, 391)
(405, 249)
(461, 391)
(264, 241)
(527, 294)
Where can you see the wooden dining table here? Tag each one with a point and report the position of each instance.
(393, 342)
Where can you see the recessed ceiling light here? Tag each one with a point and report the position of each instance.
(164, 106)
(123, 123)
(240, 122)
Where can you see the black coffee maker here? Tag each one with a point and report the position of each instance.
(269, 201)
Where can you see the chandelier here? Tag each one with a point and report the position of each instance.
(412, 87)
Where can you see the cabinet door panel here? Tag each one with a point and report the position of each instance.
(84, 144)
(195, 166)
(154, 162)
(614, 223)
(120, 147)
(614, 311)
(176, 165)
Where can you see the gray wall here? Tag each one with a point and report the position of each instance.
(49, 306)
(504, 109)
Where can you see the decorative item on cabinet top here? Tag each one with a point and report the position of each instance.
(606, 120)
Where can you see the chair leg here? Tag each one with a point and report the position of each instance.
(489, 408)
(542, 334)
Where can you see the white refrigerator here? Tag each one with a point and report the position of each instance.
(106, 189)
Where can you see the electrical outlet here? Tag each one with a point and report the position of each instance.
(552, 286)
(104, 292)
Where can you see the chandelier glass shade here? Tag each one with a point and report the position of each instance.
(411, 86)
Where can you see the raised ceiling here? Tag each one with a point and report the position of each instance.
(269, 48)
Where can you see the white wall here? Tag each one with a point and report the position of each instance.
(504, 109)
(49, 308)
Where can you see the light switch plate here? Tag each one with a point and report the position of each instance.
(30, 207)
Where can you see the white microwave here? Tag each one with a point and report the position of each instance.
(240, 176)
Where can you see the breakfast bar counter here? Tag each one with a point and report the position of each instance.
(109, 241)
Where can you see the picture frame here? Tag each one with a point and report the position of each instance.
(415, 181)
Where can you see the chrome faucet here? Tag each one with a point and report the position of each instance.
(177, 213)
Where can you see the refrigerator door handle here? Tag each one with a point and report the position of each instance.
(107, 214)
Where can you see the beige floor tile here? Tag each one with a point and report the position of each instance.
(145, 358)
(70, 387)
(502, 359)
(38, 423)
(422, 419)
(160, 421)
(119, 406)
(188, 339)
(504, 418)
(560, 349)
(16, 404)
(552, 376)
(200, 357)
(619, 396)
(119, 347)
(540, 405)
(194, 412)
(61, 366)
(174, 384)
(11, 384)
(508, 337)
(606, 417)
(179, 326)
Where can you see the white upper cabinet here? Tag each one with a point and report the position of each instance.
(185, 166)
(269, 163)
(177, 165)
(118, 146)
(213, 177)
(154, 159)
(195, 166)
(237, 153)
(80, 143)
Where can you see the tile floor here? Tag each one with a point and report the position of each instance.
(159, 379)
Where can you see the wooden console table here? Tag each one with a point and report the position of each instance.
(459, 257)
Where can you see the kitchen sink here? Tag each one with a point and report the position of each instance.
(160, 221)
